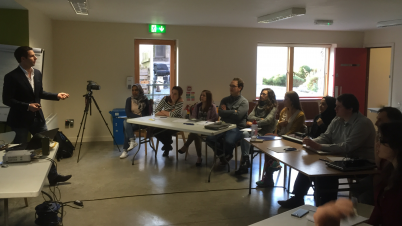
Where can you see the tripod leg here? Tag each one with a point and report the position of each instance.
(100, 112)
(82, 135)
(83, 116)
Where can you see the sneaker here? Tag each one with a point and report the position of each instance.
(264, 183)
(132, 144)
(292, 202)
(241, 170)
(124, 154)
(245, 161)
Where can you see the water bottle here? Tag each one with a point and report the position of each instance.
(254, 130)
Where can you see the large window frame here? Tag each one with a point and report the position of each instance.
(290, 67)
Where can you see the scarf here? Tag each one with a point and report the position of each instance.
(140, 99)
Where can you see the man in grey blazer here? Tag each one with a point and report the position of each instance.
(22, 92)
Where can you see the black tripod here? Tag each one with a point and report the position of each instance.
(88, 100)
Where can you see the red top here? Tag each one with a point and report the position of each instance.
(387, 206)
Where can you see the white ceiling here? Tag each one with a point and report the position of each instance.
(347, 14)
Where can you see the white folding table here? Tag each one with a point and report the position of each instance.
(22, 180)
(177, 124)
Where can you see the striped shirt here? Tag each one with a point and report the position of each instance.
(175, 110)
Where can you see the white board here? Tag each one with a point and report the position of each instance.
(9, 63)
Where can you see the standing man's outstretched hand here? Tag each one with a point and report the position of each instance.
(63, 96)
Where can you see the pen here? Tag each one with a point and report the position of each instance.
(189, 124)
(324, 160)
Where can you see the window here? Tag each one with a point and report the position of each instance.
(160, 51)
(307, 64)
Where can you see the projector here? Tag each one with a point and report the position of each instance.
(17, 156)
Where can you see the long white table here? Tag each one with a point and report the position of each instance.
(170, 124)
(22, 180)
(285, 218)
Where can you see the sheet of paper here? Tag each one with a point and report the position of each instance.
(246, 129)
(336, 158)
(181, 120)
(279, 149)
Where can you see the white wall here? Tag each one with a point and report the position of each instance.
(384, 36)
(209, 57)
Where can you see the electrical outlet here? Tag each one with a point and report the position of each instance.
(71, 123)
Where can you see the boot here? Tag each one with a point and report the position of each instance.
(244, 165)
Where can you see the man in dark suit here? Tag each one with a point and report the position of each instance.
(22, 92)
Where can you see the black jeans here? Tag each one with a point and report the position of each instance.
(322, 185)
(165, 137)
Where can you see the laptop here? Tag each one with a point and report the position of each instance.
(35, 142)
(352, 165)
(316, 151)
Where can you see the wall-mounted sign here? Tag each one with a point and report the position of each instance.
(157, 28)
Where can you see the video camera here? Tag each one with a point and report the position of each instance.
(92, 86)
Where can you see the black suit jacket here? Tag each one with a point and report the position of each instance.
(18, 94)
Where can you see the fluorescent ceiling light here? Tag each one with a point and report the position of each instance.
(282, 15)
(80, 6)
(323, 22)
(389, 23)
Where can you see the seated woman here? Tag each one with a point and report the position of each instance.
(170, 106)
(322, 121)
(136, 106)
(205, 111)
(264, 114)
(291, 120)
(388, 193)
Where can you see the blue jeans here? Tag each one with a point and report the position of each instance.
(129, 129)
(245, 146)
(230, 138)
(21, 136)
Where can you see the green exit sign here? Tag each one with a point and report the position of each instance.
(157, 28)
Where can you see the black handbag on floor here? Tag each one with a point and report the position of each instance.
(66, 148)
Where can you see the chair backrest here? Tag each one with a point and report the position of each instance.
(310, 108)
(251, 106)
(280, 107)
(150, 106)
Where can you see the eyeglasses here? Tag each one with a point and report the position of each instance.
(233, 86)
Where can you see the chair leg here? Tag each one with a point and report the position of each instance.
(26, 202)
(152, 142)
(260, 164)
(206, 154)
(177, 147)
(157, 144)
(145, 143)
(235, 157)
(184, 140)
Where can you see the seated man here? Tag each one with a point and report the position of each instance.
(350, 134)
(233, 109)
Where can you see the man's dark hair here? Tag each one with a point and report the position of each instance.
(393, 114)
(240, 83)
(21, 51)
(349, 101)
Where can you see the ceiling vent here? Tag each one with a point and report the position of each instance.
(389, 23)
(282, 15)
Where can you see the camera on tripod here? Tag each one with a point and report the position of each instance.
(92, 86)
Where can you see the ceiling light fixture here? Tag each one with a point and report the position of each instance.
(282, 15)
(80, 6)
(389, 23)
(323, 22)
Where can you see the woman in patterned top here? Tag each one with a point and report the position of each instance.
(170, 106)
(205, 111)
